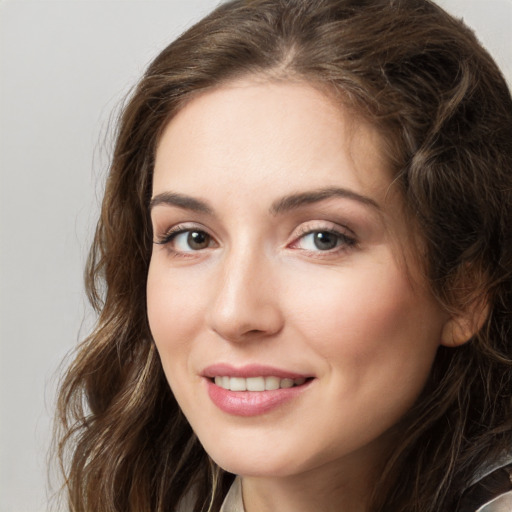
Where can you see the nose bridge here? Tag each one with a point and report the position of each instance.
(245, 300)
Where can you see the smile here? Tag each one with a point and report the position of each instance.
(261, 383)
(254, 389)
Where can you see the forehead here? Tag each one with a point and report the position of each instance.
(257, 132)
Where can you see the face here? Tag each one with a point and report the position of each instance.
(292, 327)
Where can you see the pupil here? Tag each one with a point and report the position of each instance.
(197, 240)
(324, 240)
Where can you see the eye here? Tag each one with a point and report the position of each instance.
(191, 240)
(182, 240)
(323, 240)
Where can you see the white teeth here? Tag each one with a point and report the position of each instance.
(272, 383)
(257, 383)
(287, 383)
(237, 384)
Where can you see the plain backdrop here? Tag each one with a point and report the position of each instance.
(65, 66)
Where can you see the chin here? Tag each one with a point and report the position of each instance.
(250, 467)
(255, 461)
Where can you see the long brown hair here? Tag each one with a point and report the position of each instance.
(445, 113)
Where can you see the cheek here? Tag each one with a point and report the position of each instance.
(377, 340)
(173, 309)
(370, 325)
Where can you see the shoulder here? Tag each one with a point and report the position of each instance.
(502, 503)
(491, 491)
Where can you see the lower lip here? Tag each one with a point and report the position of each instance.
(252, 403)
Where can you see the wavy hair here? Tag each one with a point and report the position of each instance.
(445, 114)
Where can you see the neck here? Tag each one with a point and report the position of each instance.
(343, 484)
(322, 490)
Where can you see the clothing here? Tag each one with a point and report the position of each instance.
(233, 501)
(502, 503)
(491, 491)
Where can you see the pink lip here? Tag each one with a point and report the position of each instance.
(250, 403)
(250, 370)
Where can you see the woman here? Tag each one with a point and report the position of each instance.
(303, 272)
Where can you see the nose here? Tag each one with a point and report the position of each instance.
(245, 302)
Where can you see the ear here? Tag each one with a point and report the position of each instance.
(462, 327)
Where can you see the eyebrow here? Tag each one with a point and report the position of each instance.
(282, 205)
(295, 201)
(181, 201)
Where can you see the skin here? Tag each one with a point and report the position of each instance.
(358, 317)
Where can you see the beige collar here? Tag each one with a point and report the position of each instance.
(233, 501)
(501, 503)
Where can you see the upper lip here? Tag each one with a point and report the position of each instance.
(249, 370)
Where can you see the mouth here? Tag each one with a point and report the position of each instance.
(260, 383)
(253, 390)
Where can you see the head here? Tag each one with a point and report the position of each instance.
(416, 86)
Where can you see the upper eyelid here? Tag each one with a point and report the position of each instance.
(322, 225)
(183, 226)
(166, 235)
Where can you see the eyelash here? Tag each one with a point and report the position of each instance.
(174, 232)
(170, 234)
(344, 242)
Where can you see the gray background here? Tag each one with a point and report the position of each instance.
(64, 67)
